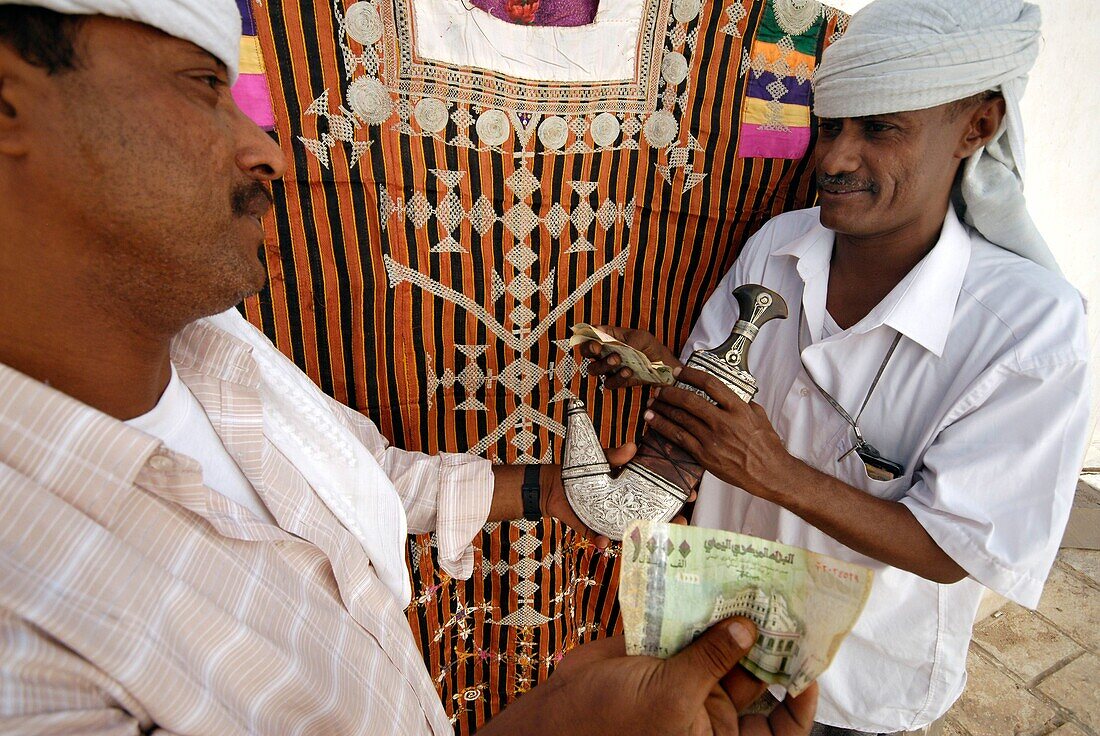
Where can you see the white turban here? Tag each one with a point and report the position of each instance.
(900, 55)
(213, 25)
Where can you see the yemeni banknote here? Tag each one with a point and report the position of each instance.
(644, 369)
(678, 580)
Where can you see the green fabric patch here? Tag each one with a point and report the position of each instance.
(770, 32)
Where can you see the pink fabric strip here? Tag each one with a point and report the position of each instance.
(755, 142)
(254, 98)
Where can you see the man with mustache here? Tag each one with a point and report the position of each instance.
(193, 538)
(924, 409)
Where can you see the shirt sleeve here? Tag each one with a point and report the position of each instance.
(448, 494)
(995, 487)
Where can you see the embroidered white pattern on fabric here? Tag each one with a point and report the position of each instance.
(520, 376)
(796, 16)
(342, 127)
(660, 64)
(363, 23)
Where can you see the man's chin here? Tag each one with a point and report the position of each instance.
(833, 218)
(841, 218)
(253, 284)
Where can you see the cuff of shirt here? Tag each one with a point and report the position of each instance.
(1017, 585)
(465, 495)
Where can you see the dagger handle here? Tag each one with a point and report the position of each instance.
(657, 455)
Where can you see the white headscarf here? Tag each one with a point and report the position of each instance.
(900, 55)
(213, 25)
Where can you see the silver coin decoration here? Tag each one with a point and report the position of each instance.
(431, 115)
(605, 129)
(362, 24)
(674, 68)
(370, 100)
(553, 132)
(686, 11)
(796, 16)
(660, 129)
(493, 128)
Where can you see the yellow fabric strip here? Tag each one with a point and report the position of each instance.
(756, 112)
(251, 60)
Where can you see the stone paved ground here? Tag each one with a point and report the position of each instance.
(1037, 673)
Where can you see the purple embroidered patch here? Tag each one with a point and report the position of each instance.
(561, 13)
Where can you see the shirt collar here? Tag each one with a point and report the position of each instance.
(922, 305)
(204, 348)
(52, 439)
(813, 250)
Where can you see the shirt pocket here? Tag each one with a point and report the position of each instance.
(852, 471)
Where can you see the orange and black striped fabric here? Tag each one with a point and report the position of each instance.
(425, 270)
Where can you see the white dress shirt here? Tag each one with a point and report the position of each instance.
(985, 405)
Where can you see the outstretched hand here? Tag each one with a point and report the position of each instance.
(598, 690)
(611, 366)
(555, 503)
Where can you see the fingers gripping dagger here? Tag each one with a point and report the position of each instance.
(661, 477)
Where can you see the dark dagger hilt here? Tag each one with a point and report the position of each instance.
(662, 475)
(729, 362)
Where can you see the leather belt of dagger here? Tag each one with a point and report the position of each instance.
(658, 481)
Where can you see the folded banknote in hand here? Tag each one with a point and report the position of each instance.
(676, 581)
(644, 369)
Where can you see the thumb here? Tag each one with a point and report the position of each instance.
(711, 657)
(616, 332)
(621, 455)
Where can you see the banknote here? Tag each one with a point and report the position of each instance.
(678, 580)
(644, 369)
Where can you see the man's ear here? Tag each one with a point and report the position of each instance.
(982, 124)
(18, 81)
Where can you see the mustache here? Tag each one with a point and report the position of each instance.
(841, 181)
(251, 199)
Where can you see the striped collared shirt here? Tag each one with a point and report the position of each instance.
(133, 597)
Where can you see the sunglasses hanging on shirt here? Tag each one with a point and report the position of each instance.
(877, 467)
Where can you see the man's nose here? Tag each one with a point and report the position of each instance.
(258, 155)
(840, 154)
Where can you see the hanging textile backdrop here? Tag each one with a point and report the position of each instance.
(467, 181)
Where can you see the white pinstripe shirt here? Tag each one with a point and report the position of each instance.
(132, 598)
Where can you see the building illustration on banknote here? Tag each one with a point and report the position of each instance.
(678, 581)
(778, 631)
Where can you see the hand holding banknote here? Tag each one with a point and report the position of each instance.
(676, 581)
(599, 691)
(626, 357)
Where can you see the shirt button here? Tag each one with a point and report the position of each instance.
(161, 463)
(804, 392)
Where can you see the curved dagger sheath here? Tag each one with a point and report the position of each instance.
(660, 478)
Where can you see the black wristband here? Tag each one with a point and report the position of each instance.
(531, 492)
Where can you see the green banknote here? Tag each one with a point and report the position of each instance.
(678, 580)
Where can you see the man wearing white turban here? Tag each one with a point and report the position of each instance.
(193, 538)
(924, 410)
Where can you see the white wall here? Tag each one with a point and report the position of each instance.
(1061, 114)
